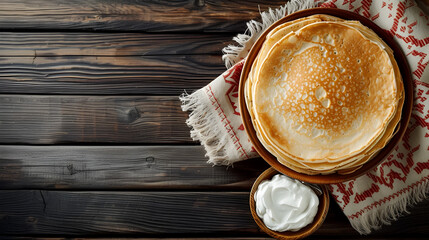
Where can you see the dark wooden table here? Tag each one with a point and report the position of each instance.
(93, 143)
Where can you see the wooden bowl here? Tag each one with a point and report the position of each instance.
(406, 110)
(306, 231)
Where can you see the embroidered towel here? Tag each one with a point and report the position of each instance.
(373, 199)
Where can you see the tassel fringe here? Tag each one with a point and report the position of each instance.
(391, 210)
(204, 128)
(209, 134)
(233, 54)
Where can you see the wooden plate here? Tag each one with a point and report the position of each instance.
(406, 110)
(306, 231)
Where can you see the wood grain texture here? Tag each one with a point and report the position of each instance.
(174, 214)
(129, 15)
(104, 213)
(138, 238)
(92, 119)
(216, 238)
(120, 167)
(51, 44)
(150, 75)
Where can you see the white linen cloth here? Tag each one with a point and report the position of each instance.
(375, 198)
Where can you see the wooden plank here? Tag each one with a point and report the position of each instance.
(159, 75)
(92, 119)
(120, 167)
(104, 213)
(130, 15)
(220, 238)
(174, 214)
(408, 237)
(45, 44)
(138, 238)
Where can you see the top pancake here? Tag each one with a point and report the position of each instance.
(324, 92)
(273, 37)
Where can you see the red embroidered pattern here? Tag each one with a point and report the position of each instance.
(407, 38)
(224, 118)
(388, 198)
(232, 77)
(400, 172)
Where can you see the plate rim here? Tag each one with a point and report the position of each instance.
(384, 152)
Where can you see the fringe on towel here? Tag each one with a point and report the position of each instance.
(216, 143)
(391, 211)
(369, 221)
(233, 54)
(204, 128)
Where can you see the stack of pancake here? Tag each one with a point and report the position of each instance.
(324, 94)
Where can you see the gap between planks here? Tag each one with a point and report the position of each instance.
(129, 15)
(30, 119)
(104, 75)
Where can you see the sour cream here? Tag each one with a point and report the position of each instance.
(285, 204)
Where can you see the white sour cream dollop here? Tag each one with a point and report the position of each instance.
(285, 204)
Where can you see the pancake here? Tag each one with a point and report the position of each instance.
(275, 35)
(324, 96)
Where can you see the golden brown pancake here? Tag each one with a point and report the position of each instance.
(324, 96)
